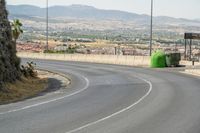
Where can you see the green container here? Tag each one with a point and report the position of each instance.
(158, 59)
(173, 59)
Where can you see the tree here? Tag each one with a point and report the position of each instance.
(16, 29)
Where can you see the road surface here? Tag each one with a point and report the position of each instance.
(109, 99)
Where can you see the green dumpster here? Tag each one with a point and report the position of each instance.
(158, 59)
(173, 59)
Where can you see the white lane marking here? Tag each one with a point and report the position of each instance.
(117, 113)
(53, 100)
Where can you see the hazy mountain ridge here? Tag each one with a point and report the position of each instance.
(76, 11)
(89, 12)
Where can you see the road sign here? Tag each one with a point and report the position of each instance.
(192, 36)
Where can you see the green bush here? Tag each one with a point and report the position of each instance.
(29, 70)
(158, 59)
(49, 51)
(67, 51)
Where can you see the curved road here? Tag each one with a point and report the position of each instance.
(109, 99)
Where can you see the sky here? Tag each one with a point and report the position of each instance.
(174, 8)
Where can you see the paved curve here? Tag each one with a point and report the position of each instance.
(109, 99)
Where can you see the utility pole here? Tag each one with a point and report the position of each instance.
(47, 25)
(151, 28)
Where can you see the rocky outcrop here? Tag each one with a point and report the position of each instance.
(9, 62)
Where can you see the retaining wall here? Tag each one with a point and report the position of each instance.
(107, 59)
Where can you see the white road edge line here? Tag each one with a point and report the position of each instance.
(46, 102)
(117, 113)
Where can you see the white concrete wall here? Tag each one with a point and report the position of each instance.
(189, 63)
(107, 59)
(143, 61)
(194, 71)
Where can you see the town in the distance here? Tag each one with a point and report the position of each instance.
(73, 30)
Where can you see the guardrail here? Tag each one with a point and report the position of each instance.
(143, 61)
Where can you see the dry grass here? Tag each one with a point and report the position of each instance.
(99, 44)
(25, 88)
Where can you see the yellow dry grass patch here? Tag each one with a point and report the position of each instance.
(22, 89)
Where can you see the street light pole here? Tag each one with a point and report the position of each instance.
(47, 25)
(151, 28)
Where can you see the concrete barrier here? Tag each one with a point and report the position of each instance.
(143, 61)
(194, 71)
(189, 63)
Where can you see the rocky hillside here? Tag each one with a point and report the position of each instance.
(9, 62)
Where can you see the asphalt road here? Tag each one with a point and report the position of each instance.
(109, 99)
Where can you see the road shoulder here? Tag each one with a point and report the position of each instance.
(27, 88)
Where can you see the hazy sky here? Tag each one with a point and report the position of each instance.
(175, 8)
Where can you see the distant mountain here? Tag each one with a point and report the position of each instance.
(88, 12)
(73, 11)
(27, 10)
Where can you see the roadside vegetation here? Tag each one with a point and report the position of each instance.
(22, 89)
(29, 85)
(67, 51)
(16, 29)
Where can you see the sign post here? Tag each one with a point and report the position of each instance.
(151, 28)
(47, 25)
(190, 36)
